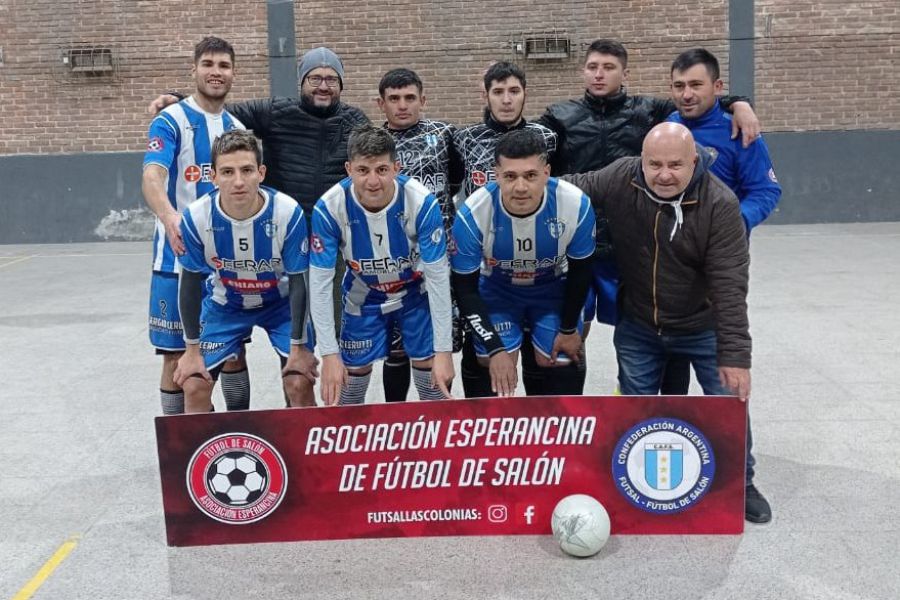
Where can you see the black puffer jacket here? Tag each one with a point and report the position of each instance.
(304, 147)
(593, 132)
(678, 278)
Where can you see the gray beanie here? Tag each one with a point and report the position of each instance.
(320, 57)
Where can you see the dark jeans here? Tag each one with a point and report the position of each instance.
(642, 355)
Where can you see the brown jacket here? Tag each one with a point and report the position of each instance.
(695, 281)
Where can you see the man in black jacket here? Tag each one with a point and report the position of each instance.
(304, 140)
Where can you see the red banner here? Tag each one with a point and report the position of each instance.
(660, 465)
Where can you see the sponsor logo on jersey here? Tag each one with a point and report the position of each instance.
(383, 266)
(475, 323)
(254, 266)
(250, 286)
(526, 263)
(236, 478)
(663, 465)
(155, 144)
(195, 173)
(479, 178)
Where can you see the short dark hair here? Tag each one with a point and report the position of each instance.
(236, 140)
(399, 78)
(697, 56)
(611, 47)
(500, 71)
(520, 143)
(368, 140)
(212, 45)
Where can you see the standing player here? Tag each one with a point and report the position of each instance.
(388, 229)
(522, 259)
(504, 95)
(176, 173)
(255, 241)
(425, 150)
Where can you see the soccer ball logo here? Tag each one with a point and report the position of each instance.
(237, 479)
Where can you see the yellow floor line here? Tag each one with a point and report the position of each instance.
(45, 571)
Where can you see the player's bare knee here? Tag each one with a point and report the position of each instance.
(422, 364)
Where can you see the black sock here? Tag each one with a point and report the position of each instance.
(395, 378)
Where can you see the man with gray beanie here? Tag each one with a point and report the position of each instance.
(305, 140)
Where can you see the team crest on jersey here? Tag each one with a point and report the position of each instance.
(317, 246)
(401, 216)
(270, 228)
(237, 478)
(431, 140)
(155, 144)
(556, 227)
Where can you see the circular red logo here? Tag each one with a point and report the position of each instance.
(236, 478)
(479, 177)
(192, 173)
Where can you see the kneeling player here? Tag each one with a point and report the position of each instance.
(255, 241)
(389, 231)
(522, 259)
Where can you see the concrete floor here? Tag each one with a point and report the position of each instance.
(78, 457)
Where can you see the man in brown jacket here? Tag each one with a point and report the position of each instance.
(682, 254)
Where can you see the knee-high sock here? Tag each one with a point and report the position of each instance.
(355, 390)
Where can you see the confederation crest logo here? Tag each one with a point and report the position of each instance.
(236, 478)
(663, 465)
(556, 227)
(316, 244)
(155, 144)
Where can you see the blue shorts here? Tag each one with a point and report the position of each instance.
(223, 330)
(513, 310)
(367, 338)
(164, 323)
(601, 298)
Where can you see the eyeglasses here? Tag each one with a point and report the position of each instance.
(316, 80)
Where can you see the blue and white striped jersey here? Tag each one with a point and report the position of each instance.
(250, 259)
(383, 249)
(180, 141)
(522, 251)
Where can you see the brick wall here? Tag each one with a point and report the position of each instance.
(48, 109)
(838, 62)
(828, 65)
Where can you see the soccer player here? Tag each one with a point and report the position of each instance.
(176, 173)
(388, 229)
(255, 241)
(425, 150)
(504, 97)
(504, 94)
(521, 258)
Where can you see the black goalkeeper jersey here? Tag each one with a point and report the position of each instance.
(476, 144)
(426, 152)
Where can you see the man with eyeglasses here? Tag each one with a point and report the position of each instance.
(305, 140)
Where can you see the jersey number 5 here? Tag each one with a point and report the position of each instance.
(243, 244)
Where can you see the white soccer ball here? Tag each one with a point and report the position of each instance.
(580, 524)
(237, 479)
